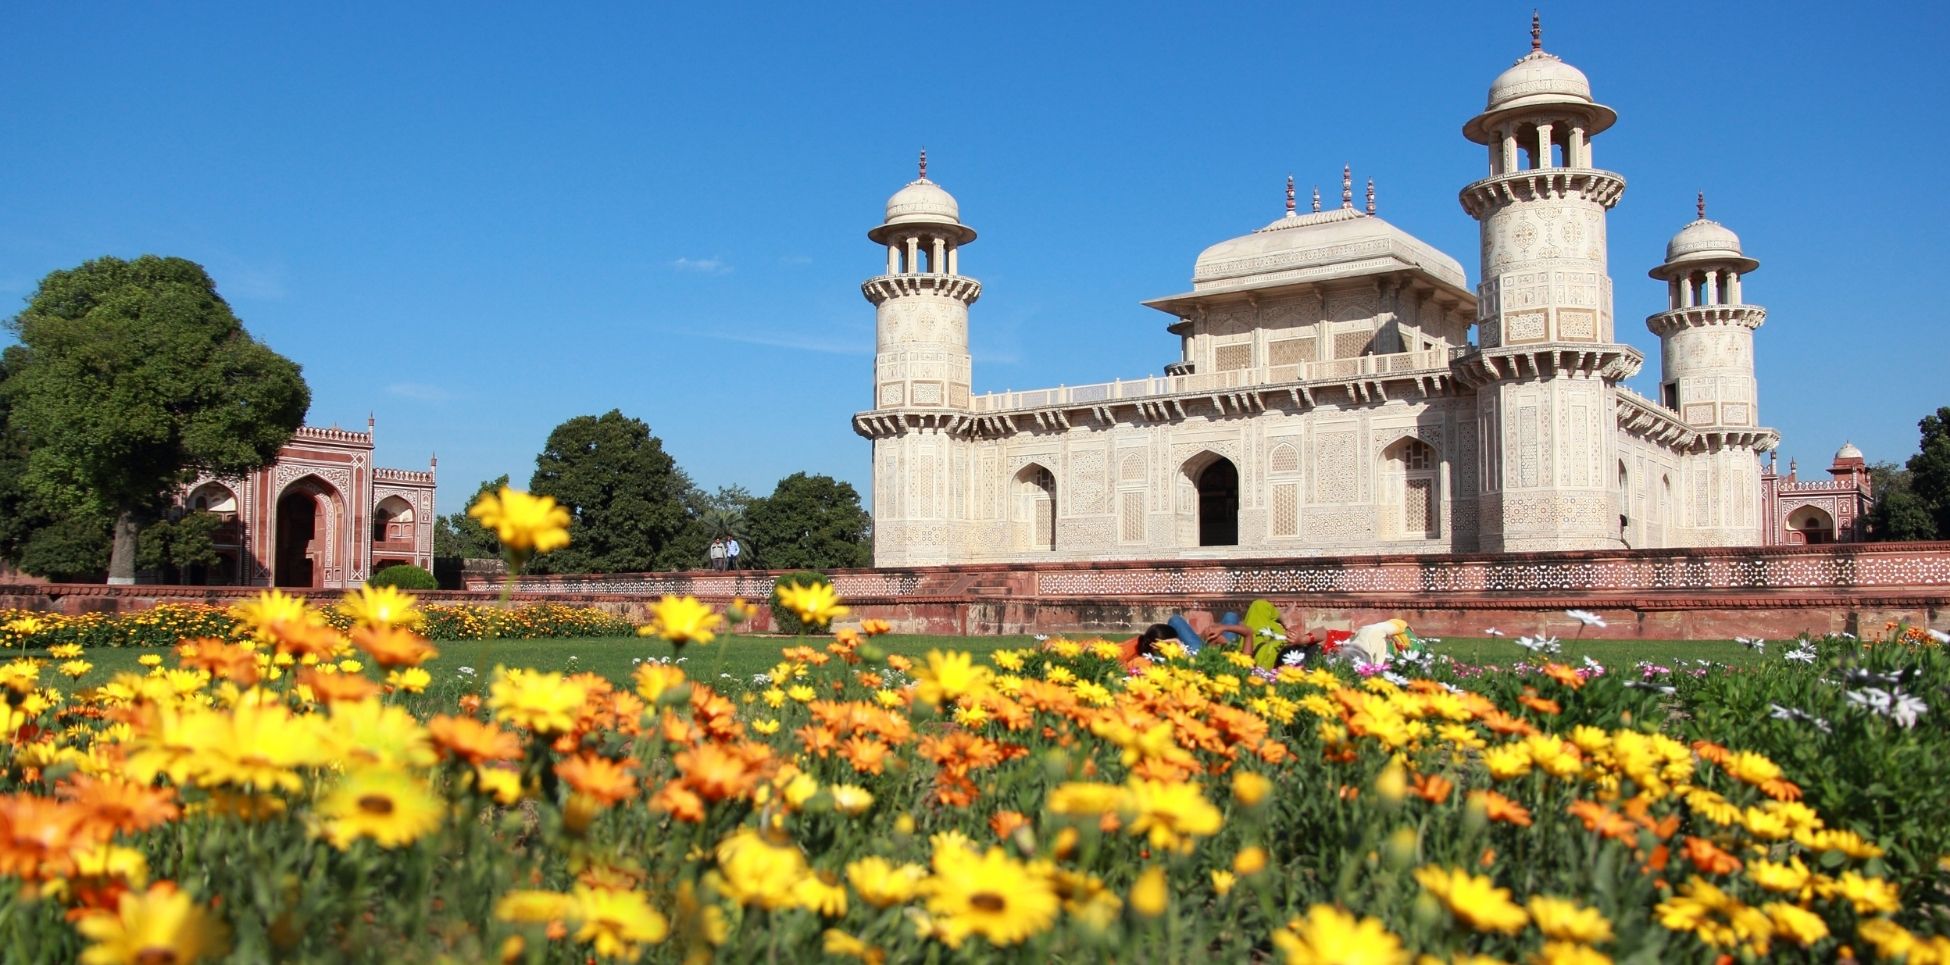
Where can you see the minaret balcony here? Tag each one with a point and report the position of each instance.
(1702, 316)
(1542, 184)
(1611, 361)
(883, 287)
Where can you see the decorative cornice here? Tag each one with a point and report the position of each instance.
(1703, 316)
(1542, 184)
(883, 287)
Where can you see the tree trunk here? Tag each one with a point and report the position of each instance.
(121, 558)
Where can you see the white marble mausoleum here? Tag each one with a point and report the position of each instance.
(1330, 399)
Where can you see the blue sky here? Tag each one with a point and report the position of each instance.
(478, 220)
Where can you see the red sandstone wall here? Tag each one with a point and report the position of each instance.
(1676, 594)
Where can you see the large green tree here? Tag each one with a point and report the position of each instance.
(710, 515)
(132, 377)
(460, 536)
(1929, 470)
(625, 495)
(810, 522)
(1899, 513)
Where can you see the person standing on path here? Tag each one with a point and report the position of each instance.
(717, 554)
(731, 553)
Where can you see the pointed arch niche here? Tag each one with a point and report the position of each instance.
(1034, 510)
(1411, 490)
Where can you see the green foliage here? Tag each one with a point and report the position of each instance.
(810, 522)
(782, 616)
(133, 376)
(171, 546)
(406, 576)
(1929, 469)
(710, 516)
(623, 492)
(460, 536)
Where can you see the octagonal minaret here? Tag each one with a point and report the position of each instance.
(1706, 351)
(1547, 364)
(921, 377)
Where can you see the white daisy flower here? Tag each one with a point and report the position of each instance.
(1586, 617)
(1492, 632)
(1756, 644)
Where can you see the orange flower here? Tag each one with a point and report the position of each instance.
(39, 836)
(900, 663)
(120, 803)
(1499, 808)
(866, 755)
(600, 778)
(1781, 789)
(467, 739)
(392, 646)
(1707, 750)
(1502, 723)
(329, 688)
(1433, 788)
(1604, 821)
(1542, 705)
(679, 802)
(714, 773)
(231, 661)
(1005, 823)
(1563, 675)
(1709, 858)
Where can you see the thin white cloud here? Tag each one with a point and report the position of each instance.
(702, 266)
(419, 392)
(792, 342)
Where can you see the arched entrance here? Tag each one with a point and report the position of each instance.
(1218, 503)
(1810, 525)
(304, 534)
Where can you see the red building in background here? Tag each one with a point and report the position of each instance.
(1831, 510)
(322, 516)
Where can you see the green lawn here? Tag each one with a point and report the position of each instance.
(1607, 652)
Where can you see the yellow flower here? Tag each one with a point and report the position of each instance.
(534, 907)
(149, 660)
(413, 680)
(1249, 788)
(1151, 893)
(992, 895)
(503, 786)
(1507, 761)
(950, 676)
(816, 605)
(1330, 936)
(616, 922)
(803, 693)
(1171, 814)
(851, 799)
(1752, 768)
(545, 703)
(1223, 881)
(271, 609)
(682, 620)
(767, 726)
(759, 872)
(522, 522)
(1563, 953)
(382, 606)
(389, 806)
(1870, 896)
(161, 924)
(841, 944)
(1475, 900)
(1801, 926)
(75, 668)
(881, 883)
(1250, 860)
(1847, 842)
(1790, 878)
(822, 894)
(1566, 920)
(65, 651)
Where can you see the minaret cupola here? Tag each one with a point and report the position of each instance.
(1706, 334)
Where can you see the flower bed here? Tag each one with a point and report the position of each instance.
(271, 798)
(164, 624)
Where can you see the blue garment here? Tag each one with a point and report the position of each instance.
(1186, 635)
(1231, 619)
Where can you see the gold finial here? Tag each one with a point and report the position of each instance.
(1289, 194)
(924, 164)
(1700, 206)
(1371, 196)
(1536, 31)
(1316, 199)
(1347, 185)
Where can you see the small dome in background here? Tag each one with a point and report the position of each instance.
(1703, 239)
(1848, 453)
(1539, 78)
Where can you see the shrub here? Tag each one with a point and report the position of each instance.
(782, 617)
(406, 576)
